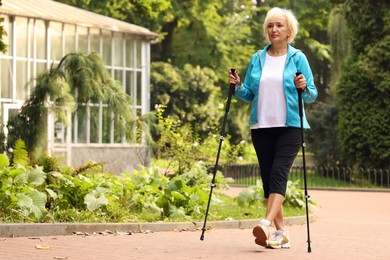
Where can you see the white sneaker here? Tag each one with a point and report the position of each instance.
(280, 239)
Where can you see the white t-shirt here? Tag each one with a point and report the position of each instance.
(271, 104)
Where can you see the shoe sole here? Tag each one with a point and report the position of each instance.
(261, 236)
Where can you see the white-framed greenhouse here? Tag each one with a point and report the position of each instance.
(39, 34)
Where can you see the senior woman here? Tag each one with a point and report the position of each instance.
(270, 86)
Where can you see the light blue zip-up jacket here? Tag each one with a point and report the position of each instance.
(296, 62)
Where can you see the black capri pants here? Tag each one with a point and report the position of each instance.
(276, 149)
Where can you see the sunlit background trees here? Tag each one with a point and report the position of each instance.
(346, 42)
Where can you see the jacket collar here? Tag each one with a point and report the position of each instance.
(290, 51)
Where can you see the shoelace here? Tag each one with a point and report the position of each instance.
(277, 236)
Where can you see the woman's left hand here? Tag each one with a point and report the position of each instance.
(300, 82)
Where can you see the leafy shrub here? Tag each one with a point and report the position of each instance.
(187, 194)
(294, 197)
(21, 192)
(177, 141)
(86, 194)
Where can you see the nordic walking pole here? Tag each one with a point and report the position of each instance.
(304, 165)
(221, 138)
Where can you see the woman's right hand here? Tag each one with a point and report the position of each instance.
(234, 79)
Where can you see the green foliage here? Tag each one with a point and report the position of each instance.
(33, 195)
(363, 89)
(78, 79)
(3, 46)
(322, 138)
(20, 192)
(176, 141)
(4, 162)
(363, 119)
(251, 195)
(187, 194)
(213, 36)
(339, 43)
(29, 194)
(137, 12)
(294, 197)
(20, 153)
(190, 94)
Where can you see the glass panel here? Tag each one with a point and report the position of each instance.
(107, 47)
(55, 41)
(82, 34)
(41, 67)
(21, 36)
(118, 49)
(69, 31)
(31, 25)
(7, 39)
(94, 35)
(139, 54)
(5, 82)
(94, 128)
(59, 132)
(118, 75)
(139, 88)
(40, 34)
(130, 83)
(129, 52)
(81, 124)
(21, 79)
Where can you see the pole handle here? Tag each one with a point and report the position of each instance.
(299, 97)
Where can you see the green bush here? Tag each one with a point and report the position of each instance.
(363, 89)
(50, 193)
(294, 197)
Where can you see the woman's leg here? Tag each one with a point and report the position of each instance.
(275, 210)
(264, 144)
(286, 148)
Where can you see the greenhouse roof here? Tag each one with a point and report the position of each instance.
(54, 11)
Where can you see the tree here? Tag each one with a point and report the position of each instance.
(218, 35)
(145, 12)
(339, 43)
(78, 79)
(364, 89)
(191, 94)
(322, 138)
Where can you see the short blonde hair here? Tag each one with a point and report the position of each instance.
(292, 22)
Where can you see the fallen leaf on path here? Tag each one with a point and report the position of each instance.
(42, 247)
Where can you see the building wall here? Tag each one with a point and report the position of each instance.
(118, 159)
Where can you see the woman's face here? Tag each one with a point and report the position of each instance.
(277, 30)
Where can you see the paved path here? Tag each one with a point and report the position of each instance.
(350, 225)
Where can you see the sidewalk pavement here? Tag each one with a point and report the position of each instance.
(348, 225)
